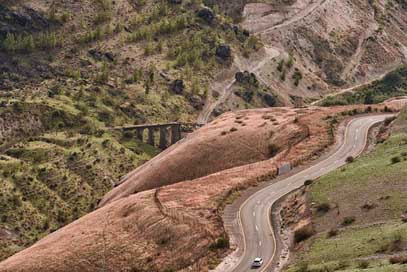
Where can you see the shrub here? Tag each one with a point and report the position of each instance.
(398, 259)
(395, 160)
(280, 65)
(221, 243)
(350, 159)
(302, 234)
(363, 264)
(323, 207)
(308, 182)
(348, 220)
(297, 76)
(332, 233)
(273, 149)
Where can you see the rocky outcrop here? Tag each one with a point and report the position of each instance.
(24, 20)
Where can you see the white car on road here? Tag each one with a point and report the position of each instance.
(257, 262)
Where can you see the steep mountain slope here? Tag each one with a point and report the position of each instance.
(141, 231)
(327, 45)
(71, 69)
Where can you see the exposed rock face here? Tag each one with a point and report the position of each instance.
(333, 44)
(24, 20)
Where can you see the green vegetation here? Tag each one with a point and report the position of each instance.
(28, 43)
(38, 194)
(392, 85)
(72, 74)
(221, 243)
(362, 230)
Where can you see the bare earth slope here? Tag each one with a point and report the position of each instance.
(334, 43)
(140, 232)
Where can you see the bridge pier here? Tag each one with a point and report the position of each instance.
(163, 137)
(139, 133)
(169, 133)
(151, 140)
(175, 133)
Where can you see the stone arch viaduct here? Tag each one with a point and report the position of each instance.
(169, 133)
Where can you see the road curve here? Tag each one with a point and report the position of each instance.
(259, 239)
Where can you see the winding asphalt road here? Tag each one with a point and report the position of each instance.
(254, 214)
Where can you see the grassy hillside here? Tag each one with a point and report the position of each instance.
(70, 69)
(392, 85)
(358, 213)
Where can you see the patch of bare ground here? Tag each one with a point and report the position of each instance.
(334, 44)
(179, 225)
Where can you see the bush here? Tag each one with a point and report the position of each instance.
(348, 220)
(363, 264)
(308, 182)
(323, 207)
(297, 76)
(350, 159)
(395, 160)
(221, 243)
(332, 233)
(398, 259)
(302, 234)
(273, 149)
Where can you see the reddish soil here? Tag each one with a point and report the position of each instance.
(174, 226)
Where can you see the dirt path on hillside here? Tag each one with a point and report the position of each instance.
(354, 62)
(224, 86)
(351, 89)
(296, 17)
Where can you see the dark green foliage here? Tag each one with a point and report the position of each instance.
(395, 160)
(221, 243)
(323, 207)
(332, 233)
(348, 220)
(392, 85)
(297, 76)
(26, 43)
(302, 234)
(273, 150)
